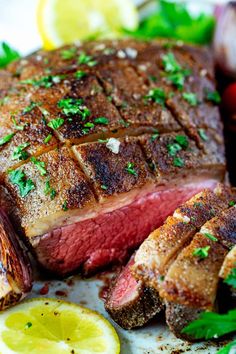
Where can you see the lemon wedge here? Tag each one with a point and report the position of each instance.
(52, 326)
(62, 22)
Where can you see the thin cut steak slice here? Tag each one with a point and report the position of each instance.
(192, 280)
(129, 303)
(228, 271)
(111, 236)
(159, 250)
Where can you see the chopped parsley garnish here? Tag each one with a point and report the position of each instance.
(231, 278)
(157, 95)
(232, 203)
(64, 206)
(152, 78)
(210, 236)
(173, 149)
(178, 79)
(80, 74)
(130, 169)
(213, 96)
(104, 187)
(175, 73)
(228, 349)
(49, 190)
(40, 166)
(56, 123)
(178, 162)
(182, 140)
(201, 253)
(154, 136)
(170, 64)
(191, 98)
(72, 106)
(45, 81)
(101, 120)
(31, 106)
(18, 178)
(124, 123)
(69, 53)
(19, 152)
(7, 54)
(48, 138)
(5, 139)
(202, 134)
(212, 325)
(4, 100)
(28, 325)
(86, 59)
(17, 126)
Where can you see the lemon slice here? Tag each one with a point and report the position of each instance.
(52, 326)
(62, 22)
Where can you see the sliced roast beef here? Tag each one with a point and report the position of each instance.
(192, 280)
(160, 249)
(105, 145)
(15, 270)
(129, 303)
(228, 272)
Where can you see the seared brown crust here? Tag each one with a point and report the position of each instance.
(109, 171)
(229, 263)
(115, 87)
(193, 281)
(138, 312)
(15, 272)
(72, 190)
(179, 316)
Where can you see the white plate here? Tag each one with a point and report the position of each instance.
(155, 338)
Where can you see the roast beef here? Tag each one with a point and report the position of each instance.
(155, 264)
(180, 262)
(101, 142)
(129, 303)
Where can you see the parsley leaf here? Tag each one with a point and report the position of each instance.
(212, 325)
(86, 59)
(130, 169)
(69, 53)
(231, 278)
(173, 149)
(49, 190)
(154, 136)
(20, 153)
(31, 106)
(101, 120)
(48, 138)
(178, 162)
(56, 123)
(64, 206)
(170, 64)
(7, 54)
(17, 126)
(191, 98)
(182, 140)
(44, 81)
(201, 252)
(210, 236)
(228, 349)
(5, 139)
(157, 95)
(18, 178)
(232, 203)
(72, 106)
(213, 96)
(80, 74)
(40, 165)
(202, 134)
